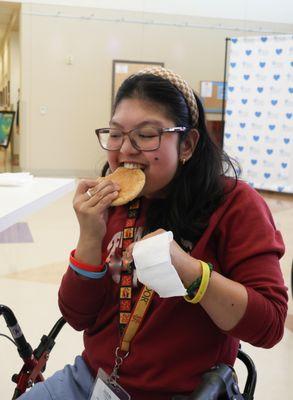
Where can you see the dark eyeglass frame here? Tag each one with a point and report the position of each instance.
(161, 131)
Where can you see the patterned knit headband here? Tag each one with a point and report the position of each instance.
(179, 83)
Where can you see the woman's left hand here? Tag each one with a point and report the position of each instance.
(187, 267)
(225, 300)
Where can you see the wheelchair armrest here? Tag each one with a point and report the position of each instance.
(220, 382)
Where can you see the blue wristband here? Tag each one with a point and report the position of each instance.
(87, 274)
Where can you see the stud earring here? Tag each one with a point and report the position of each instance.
(183, 160)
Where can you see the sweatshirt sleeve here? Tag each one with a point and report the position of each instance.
(80, 300)
(249, 252)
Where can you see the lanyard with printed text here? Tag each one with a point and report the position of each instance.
(129, 319)
(126, 278)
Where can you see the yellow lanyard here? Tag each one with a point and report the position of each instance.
(136, 318)
(129, 320)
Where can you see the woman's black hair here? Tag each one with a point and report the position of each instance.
(199, 186)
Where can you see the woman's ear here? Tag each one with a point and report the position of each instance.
(188, 145)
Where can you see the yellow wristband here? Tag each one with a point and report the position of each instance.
(203, 284)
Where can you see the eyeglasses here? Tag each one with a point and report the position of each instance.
(144, 139)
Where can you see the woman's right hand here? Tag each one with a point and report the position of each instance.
(91, 202)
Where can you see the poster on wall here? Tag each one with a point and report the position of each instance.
(212, 93)
(122, 69)
(6, 126)
(259, 110)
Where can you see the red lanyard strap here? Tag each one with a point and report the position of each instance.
(127, 268)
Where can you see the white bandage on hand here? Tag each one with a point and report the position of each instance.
(154, 268)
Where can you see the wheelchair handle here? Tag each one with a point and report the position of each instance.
(248, 393)
(24, 348)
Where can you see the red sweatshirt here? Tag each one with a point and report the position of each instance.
(177, 341)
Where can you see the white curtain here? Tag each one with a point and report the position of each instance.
(259, 110)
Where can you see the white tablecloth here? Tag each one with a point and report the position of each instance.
(16, 202)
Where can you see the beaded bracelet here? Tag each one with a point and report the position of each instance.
(200, 283)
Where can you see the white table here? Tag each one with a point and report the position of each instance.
(16, 202)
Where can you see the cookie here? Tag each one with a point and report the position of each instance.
(131, 182)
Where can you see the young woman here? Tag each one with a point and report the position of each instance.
(225, 250)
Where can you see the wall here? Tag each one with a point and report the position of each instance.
(14, 83)
(4, 65)
(62, 104)
(254, 10)
(14, 68)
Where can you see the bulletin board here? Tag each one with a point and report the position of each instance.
(122, 69)
(211, 93)
(6, 126)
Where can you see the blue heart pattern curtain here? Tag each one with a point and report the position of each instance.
(259, 110)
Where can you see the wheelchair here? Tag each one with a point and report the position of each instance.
(219, 383)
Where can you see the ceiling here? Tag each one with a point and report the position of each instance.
(7, 11)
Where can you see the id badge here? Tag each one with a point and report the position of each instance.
(105, 389)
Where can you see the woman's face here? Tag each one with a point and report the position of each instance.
(159, 165)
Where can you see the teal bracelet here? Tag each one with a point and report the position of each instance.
(191, 290)
(88, 274)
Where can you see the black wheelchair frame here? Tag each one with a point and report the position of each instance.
(219, 383)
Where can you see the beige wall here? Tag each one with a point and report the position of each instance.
(61, 104)
(14, 81)
(14, 68)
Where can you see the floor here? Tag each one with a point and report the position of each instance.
(33, 263)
